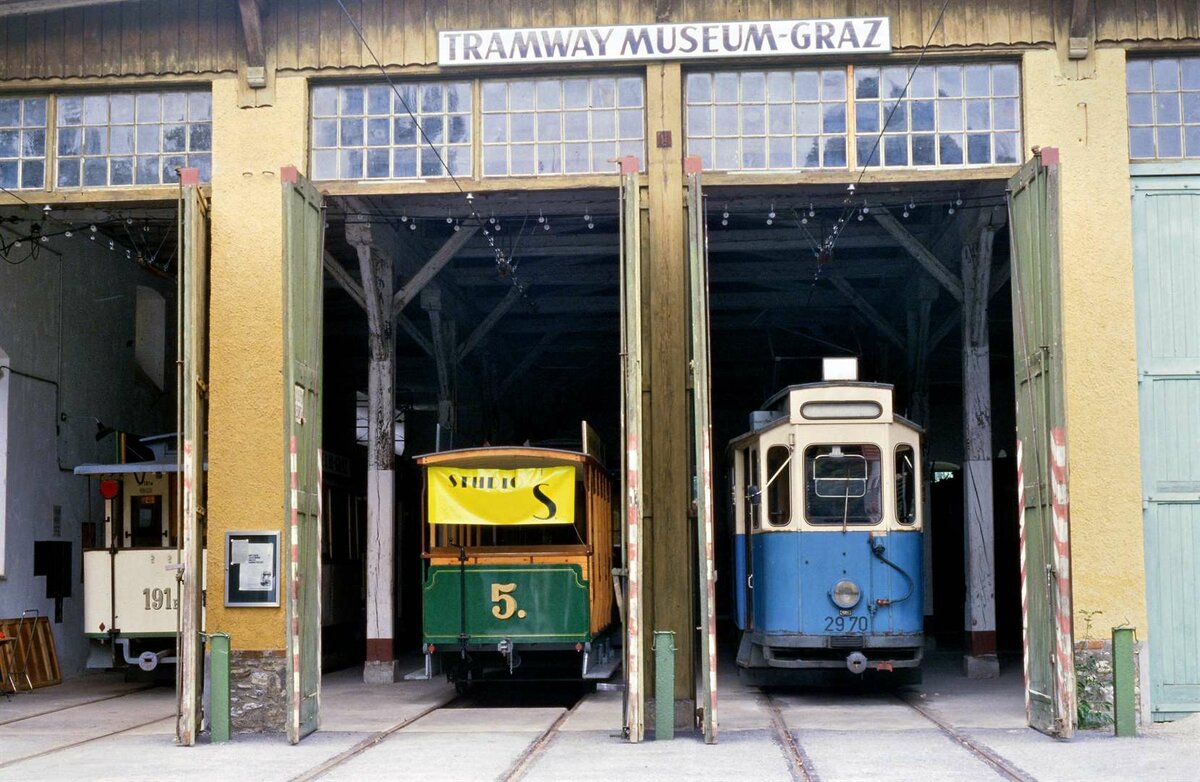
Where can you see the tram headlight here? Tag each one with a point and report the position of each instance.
(845, 594)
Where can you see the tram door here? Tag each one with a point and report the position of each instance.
(1042, 474)
(303, 231)
(702, 459)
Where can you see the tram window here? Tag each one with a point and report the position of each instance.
(753, 504)
(906, 485)
(842, 484)
(779, 486)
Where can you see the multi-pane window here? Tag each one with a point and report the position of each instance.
(22, 143)
(132, 138)
(561, 126)
(1164, 107)
(772, 120)
(947, 115)
(380, 132)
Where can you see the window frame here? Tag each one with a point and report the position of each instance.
(808, 484)
(1187, 134)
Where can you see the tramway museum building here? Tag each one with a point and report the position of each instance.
(375, 229)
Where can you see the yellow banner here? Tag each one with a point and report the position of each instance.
(536, 495)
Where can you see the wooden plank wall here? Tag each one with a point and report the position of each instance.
(159, 37)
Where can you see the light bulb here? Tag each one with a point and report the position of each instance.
(591, 226)
(412, 226)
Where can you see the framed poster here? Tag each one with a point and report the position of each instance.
(252, 569)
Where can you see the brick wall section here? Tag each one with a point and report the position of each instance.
(257, 693)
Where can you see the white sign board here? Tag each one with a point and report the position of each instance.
(698, 40)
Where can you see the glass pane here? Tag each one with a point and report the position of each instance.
(699, 88)
(33, 143)
(807, 85)
(120, 171)
(352, 132)
(834, 152)
(350, 164)
(1004, 114)
(10, 143)
(521, 127)
(404, 130)
(324, 133)
(549, 159)
(460, 129)
(8, 173)
(379, 100)
(950, 150)
(703, 148)
(868, 151)
(459, 160)
(324, 101)
(1192, 141)
(866, 117)
(949, 80)
(754, 87)
(1191, 108)
(575, 92)
(725, 88)
(549, 94)
(68, 173)
(95, 109)
(495, 128)
(923, 152)
(779, 153)
(1190, 67)
(601, 154)
(432, 98)
(121, 109)
(1141, 142)
(977, 80)
(979, 148)
(808, 118)
(726, 154)
(174, 107)
(950, 115)
(147, 171)
(1166, 74)
(699, 121)
(629, 92)
(575, 125)
(895, 117)
(924, 83)
(377, 163)
(379, 132)
(458, 97)
(10, 113)
(495, 96)
(576, 159)
(521, 156)
(922, 115)
(808, 152)
(1137, 76)
(1169, 144)
(754, 154)
(604, 126)
(780, 120)
(404, 162)
(174, 138)
(170, 167)
(199, 106)
(727, 121)
(431, 163)
(1166, 108)
(549, 127)
(203, 163)
(978, 115)
(833, 118)
(69, 142)
(1006, 148)
(435, 130)
(779, 87)
(866, 83)
(35, 112)
(149, 108)
(352, 100)
(895, 151)
(120, 138)
(895, 82)
(33, 174)
(95, 141)
(833, 85)
(603, 93)
(753, 120)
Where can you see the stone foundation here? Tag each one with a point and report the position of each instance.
(257, 691)
(1094, 682)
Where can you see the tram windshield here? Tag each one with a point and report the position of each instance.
(842, 484)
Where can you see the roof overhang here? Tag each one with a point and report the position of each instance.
(15, 7)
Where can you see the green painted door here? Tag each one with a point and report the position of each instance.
(1042, 477)
(702, 461)
(1166, 236)
(192, 379)
(303, 241)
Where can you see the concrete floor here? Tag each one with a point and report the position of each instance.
(97, 727)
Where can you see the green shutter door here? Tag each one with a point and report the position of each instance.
(303, 239)
(192, 382)
(1042, 478)
(701, 410)
(1166, 235)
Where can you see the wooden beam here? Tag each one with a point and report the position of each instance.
(410, 328)
(919, 252)
(14, 7)
(1079, 39)
(867, 310)
(499, 311)
(343, 278)
(252, 34)
(531, 357)
(431, 268)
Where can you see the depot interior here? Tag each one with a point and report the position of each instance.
(533, 308)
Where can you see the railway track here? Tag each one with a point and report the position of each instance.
(77, 705)
(803, 770)
(71, 745)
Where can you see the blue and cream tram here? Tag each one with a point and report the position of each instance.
(826, 495)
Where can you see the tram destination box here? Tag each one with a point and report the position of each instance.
(252, 569)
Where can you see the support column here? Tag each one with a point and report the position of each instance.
(376, 274)
(980, 661)
(669, 577)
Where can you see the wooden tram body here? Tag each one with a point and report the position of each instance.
(525, 590)
(828, 555)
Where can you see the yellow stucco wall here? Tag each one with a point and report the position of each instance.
(246, 477)
(1080, 108)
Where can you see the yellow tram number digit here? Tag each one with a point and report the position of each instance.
(506, 604)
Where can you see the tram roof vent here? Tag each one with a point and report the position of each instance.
(839, 368)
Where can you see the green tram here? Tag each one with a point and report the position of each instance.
(517, 544)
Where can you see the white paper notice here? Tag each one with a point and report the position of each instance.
(257, 571)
